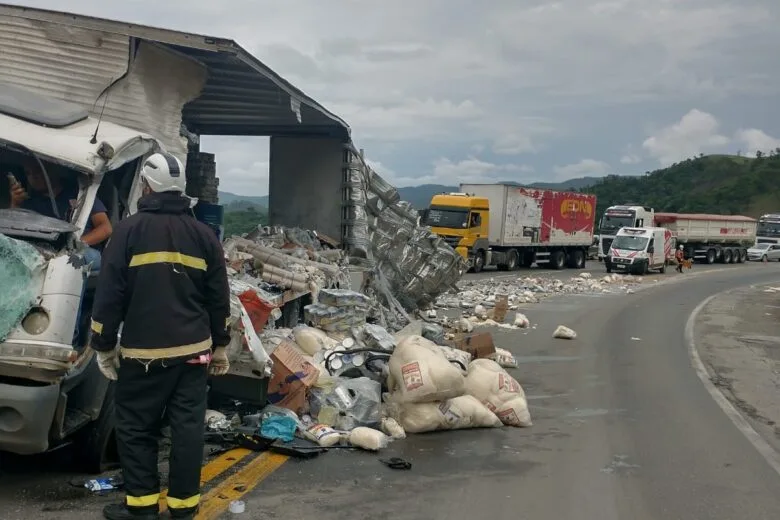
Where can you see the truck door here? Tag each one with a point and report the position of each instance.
(651, 251)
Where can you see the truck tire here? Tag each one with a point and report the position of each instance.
(577, 259)
(728, 256)
(558, 259)
(96, 444)
(479, 261)
(662, 270)
(738, 256)
(512, 260)
(711, 255)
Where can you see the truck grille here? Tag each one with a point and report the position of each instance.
(607, 244)
(452, 241)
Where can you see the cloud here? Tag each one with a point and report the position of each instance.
(755, 140)
(469, 170)
(522, 81)
(630, 159)
(695, 133)
(583, 168)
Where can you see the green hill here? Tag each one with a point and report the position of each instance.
(723, 184)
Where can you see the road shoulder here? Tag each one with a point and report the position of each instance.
(738, 339)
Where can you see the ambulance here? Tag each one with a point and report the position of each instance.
(640, 250)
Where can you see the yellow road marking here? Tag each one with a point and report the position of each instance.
(216, 501)
(213, 469)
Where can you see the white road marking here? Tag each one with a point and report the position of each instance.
(771, 456)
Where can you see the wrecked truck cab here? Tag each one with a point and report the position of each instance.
(50, 388)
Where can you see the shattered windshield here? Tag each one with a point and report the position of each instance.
(630, 243)
(447, 218)
(612, 222)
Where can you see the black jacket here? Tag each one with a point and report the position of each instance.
(163, 274)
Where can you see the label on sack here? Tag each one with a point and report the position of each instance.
(412, 375)
(508, 416)
(450, 416)
(489, 405)
(508, 384)
(321, 430)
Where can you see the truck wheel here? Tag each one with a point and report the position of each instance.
(512, 260)
(577, 259)
(558, 259)
(96, 445)
(738, 256)
(662, 270)
(728, 257)
(479, 261)
(711, 256)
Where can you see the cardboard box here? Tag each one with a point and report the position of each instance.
(293, 376)
(501, 308)
(479, 344)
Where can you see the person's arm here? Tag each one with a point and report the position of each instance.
(101, 229)
(101, 225)
(108, 308)
(217, 293)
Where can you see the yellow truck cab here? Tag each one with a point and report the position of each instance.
(462, 221)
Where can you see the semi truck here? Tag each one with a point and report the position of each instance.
(617, 217)
(711, 238)
(509, 226)
(768, 229)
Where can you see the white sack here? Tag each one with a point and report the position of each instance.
(421, 373)
(521, 321)
(368, 439)
(499, 391)
(453, 414)
(311, 340)
(564, 333)
(504, 358)
(392, 429)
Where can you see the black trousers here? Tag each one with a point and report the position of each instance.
(145, 394)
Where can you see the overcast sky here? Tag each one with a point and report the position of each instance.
(444, 91)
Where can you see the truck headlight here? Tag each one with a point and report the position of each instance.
(36, 322)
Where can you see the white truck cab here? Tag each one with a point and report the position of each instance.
(639, 250)
(50, 388)
(617, 217)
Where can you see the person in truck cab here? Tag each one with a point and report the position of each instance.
(164, 278)
(98, 228)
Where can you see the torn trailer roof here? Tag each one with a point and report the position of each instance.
(218, 88)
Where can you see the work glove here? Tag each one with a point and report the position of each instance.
(220, 364)
(108, 362)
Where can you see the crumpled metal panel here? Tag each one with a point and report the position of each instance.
(415, 264)
(77, 65)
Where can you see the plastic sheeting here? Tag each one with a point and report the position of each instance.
(412, 265)
(20, 264)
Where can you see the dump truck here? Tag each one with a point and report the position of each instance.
(710, 238)
(509, 226)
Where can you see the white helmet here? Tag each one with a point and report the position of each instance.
(681, 247)
(164, 172)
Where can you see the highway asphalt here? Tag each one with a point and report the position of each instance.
(623, 429)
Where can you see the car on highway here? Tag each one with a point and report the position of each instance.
(764, 252)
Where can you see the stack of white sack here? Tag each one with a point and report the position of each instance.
(427, 392)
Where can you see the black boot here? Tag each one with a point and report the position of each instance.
(121, 512)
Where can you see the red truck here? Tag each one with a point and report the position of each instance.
(511, 226)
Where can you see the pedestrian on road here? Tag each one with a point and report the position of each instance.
(679, 255)
(164, 280)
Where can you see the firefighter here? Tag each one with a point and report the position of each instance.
(679, 255)
(164, 279)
